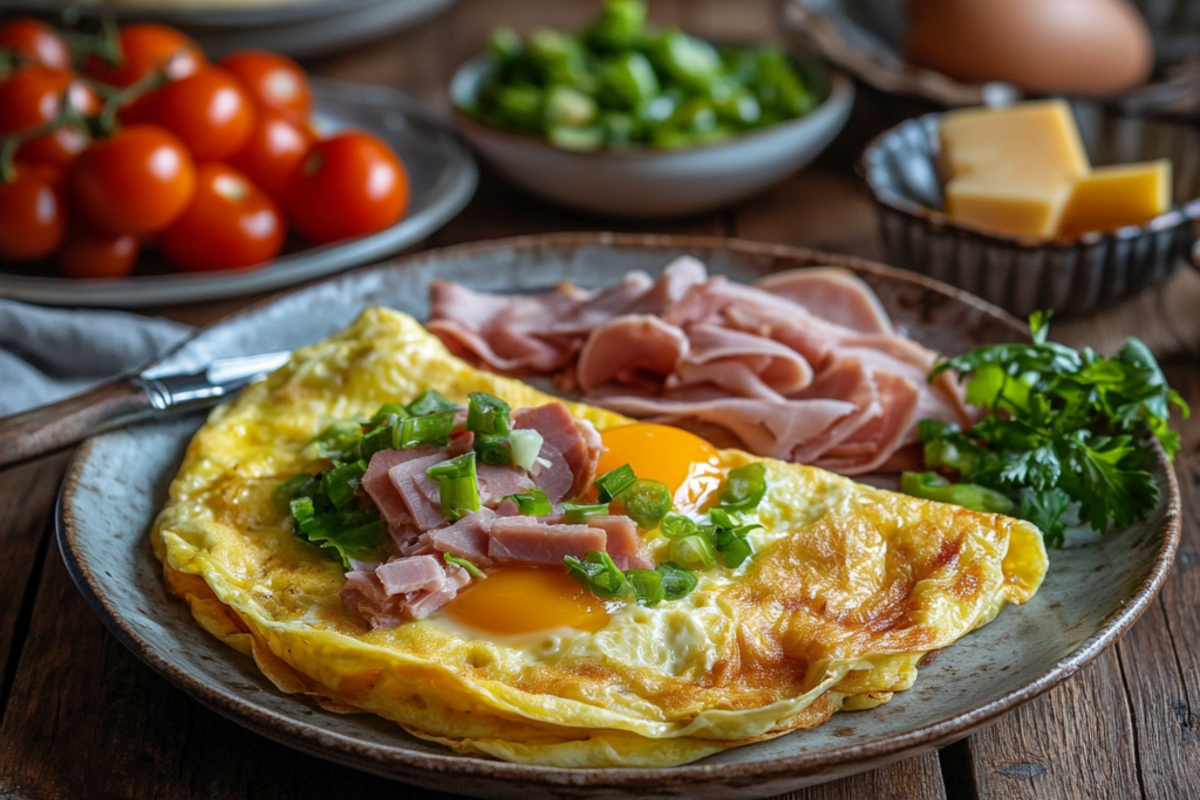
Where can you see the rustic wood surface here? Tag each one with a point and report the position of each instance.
(80, 717)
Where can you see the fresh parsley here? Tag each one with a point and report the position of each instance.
(1064, 427)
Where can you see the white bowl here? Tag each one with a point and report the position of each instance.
(652, 182)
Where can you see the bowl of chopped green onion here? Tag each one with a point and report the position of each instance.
(623, 118)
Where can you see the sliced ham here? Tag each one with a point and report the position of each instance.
(379, 487)
(411, 574)
(466, 538)
(430, 600)
(364, 594)
(410, 587)
(623, 541)
(414, 486)
(635, 350)
(576, 439)
(525, 540)
(556, 479)
(834, 294)
(495, 482)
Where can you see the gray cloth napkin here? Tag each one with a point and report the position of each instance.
(47, 354)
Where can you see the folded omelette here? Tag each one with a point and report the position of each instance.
(844, 590)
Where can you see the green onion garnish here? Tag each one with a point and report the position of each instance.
(597, 572)
(339, 484)
(355, 533)
(580, 513)
(338, 442)
(734, 549)
(474, 571)
(677, 526)
(744, 487)
(302, 508)
(388, 413)
(428, 429)
(487, 414)
(677, 582)
(526, 443)
(647, 502)
(532, 502)
(300, 485)
(382, 438)
(430, 402)
(459, 489)
(693, 552)
(647, 586)
(493, 449)
(611, 484)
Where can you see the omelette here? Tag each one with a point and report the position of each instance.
(755, 598)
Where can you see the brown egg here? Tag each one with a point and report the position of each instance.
(1072, 46)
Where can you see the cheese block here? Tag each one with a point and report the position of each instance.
(1112, 197)
(1032, 208)
(1035, 141)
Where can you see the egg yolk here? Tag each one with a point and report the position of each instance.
(516, 601)
(687, 464)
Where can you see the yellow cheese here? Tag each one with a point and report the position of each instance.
(1112, 197)
(1033, 208)
(1027, 141)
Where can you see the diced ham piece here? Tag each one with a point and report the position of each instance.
(405, 575)
(525, 540)
(557, 479)
(495, 482)
(364, 594)
(413, 485)
(411, 587)
(467, 538)
(431, 600)
(623, 542)
(382, 491)
(576, 439)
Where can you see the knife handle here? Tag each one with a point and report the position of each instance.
(46, 428)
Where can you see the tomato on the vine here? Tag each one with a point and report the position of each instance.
(349, 185)
(89, 254)
(276, 146)
(274, 81)
(36, 41)
(33, 216)
(230, 224)
(209, 111)
(33, 96)
(138, 181)
(145, 48)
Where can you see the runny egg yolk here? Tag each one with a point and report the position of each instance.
(515, 601)
(687, 464)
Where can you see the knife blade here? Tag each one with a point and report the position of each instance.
(128, 400)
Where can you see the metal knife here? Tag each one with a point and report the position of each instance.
(127, 400)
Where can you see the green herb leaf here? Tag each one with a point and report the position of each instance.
(647, 586)
(678, 582)
(355, 533)
(472, 570)
(338, 442)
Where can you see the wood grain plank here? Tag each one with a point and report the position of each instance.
(917, 778)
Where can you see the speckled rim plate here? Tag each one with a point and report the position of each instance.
(116, 483)
(442, 174)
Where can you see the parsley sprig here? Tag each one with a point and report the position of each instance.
(1065, 427)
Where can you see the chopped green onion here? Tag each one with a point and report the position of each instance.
(933, 486)
(647, 502)
(428, 429)
(338, 442)
(744, 487)
(339, 484)
(611, 484)
(599, 574)
(487, 414)
(430, 402)
(300, 485)
(677, 526)
(693, 552)
(389, 413)
(302, 508)
(493, 449)
(526, 443)
(647, 586)
(472, 570)
(459, 489)
(532, 502)
(733, 549)
(580, 513)
(355, 533)
(382, 438)
(677, 582)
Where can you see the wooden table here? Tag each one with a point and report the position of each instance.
(80, 717)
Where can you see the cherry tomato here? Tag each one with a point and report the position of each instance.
(349, 185)
(32, 97)
(230, 224)
(88, 254)
(210, 112)
(36, 41)
(274, 81)
(275, 147)
(33, 216)
(138, 181)
(147, 47)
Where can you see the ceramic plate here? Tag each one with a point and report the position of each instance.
(298, 28)
(117, 482)
(442, 175)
